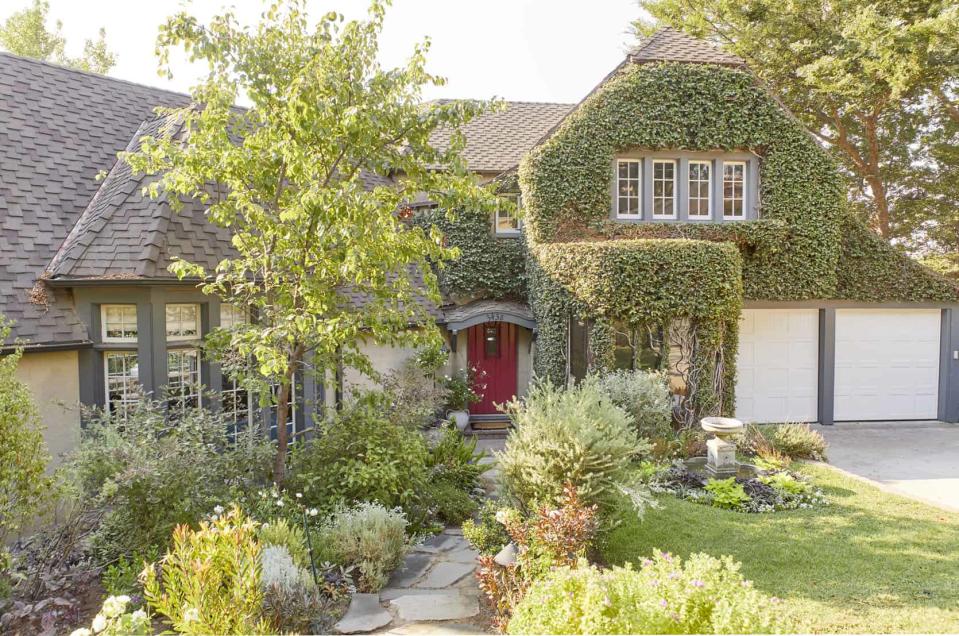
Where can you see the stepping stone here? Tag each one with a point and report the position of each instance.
(463, 555)
(448, 606)
(364, 615)
(434, 544)
(414, 566)
(446, 574)
(437, 629)
(390, 593)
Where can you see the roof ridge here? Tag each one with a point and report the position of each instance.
(77, 71)
(507, 101)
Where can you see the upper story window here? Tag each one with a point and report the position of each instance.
(232, 316)
(629, 189)
(119, 323)
(734, 189)
(508, 221)
(182, 322)
(664, 189)
(699, 189)
(686, 186)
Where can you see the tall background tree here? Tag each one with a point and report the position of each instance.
(874, 80)
(324, 256)
(25, 33)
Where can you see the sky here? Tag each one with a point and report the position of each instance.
(529, 50)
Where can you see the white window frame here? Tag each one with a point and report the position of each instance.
(232, 387)
(197, 386)
(639, 189)
(709, 189)
(131, 389)
(180, 337)
(675, 180)
(104, 324)
(238, 316)
(513, 218)
(743, 198)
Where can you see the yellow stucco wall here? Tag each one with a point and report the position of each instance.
(53, 379)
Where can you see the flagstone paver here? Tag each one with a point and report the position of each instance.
(364, 615)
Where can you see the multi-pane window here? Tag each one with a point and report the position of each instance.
(237, 405)
(508, 219)
(119, 323)
(700, 173)
(734, 189)
(182, 321)
(183, 379)
(628, 189)
(664, 189)
(122, 382)
(232, 316)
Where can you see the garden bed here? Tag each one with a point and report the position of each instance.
(869, 562)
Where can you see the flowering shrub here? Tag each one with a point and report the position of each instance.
(461, 389)
(572, 435)
(211, 579)
(704, 595)
(553, 537)
(369, 538)
(769, 491)
(114, 620)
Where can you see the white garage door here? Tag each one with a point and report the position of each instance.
(778, 365)
(887, 364)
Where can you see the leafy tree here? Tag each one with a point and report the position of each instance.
(867, 77)
(25, 33)
(23, 457)
(324, 253)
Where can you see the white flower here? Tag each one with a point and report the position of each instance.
(279, 502)
(299, 495)
(83, 631)
(139, 615)
(218, 510)
(312, 512)
(192, 615)
(99, 623)
(114, 606)
(501, 516)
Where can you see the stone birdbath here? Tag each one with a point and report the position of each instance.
(721, 451)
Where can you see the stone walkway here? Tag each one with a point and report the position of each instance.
(433, 592)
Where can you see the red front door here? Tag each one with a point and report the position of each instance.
(492, 352)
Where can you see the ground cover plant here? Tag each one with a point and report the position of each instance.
(868, 562)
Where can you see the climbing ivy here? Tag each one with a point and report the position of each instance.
(805, 246)
(488, 266)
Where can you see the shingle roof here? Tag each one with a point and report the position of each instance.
(669, 45)
(58, 128)
(497, 141)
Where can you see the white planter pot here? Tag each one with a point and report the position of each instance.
(460, 418)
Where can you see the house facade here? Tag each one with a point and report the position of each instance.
(677, 218)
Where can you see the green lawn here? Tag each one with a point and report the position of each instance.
(869, 562)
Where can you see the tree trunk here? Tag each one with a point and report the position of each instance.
(881, 205)
(282, 443)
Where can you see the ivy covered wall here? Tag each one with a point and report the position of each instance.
(805, 246)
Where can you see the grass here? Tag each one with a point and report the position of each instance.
(869, 562)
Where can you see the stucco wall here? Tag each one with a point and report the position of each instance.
(53, 378)
(384, 359)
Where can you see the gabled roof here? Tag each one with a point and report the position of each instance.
(669, 45)
(59, 127)
(497, 141)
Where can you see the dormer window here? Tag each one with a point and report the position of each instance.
(664, 189)
(661, 186)
(700, 185)
(734, 189)
(508, 221)
(629, 189)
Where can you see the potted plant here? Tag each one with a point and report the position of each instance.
(461, 393)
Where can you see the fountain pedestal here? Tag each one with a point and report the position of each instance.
(721, 452)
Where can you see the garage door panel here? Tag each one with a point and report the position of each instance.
(777, 365)
(887, 364)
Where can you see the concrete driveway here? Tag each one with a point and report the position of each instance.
(915, 459)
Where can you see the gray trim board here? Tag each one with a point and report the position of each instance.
(949, 366)
(827, 365)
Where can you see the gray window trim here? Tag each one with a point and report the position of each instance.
(751, 192)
